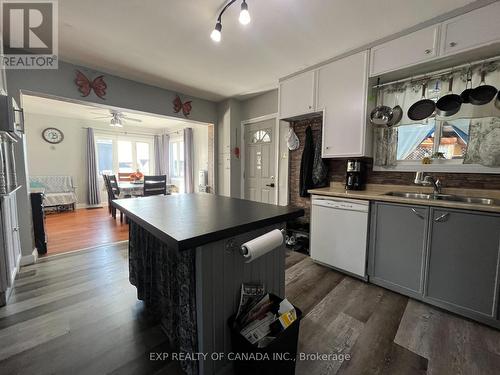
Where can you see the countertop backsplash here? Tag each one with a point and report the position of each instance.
(457, 180)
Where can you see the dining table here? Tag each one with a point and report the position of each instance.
(129, 188)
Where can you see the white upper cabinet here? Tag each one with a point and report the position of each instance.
(297, 95)
(408, 50)
(474, 29)
(342, 95)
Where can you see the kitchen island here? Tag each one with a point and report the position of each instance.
(185, 262)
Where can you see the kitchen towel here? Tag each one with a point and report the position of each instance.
(262, 245)
(306, 165)
(320, 170)
(292, 140)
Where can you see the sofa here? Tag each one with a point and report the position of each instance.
(59, 191)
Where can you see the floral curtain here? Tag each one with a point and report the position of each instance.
(385, 145)
(484, 142)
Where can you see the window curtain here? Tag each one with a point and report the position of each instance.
(158, 158)
(409, 137)
(484, 143)
(188, 161)
(93, 197)
(385, 145)
(162, 154)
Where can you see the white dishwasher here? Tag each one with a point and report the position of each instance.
(339, 229)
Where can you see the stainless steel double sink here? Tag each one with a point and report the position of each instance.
(445, 197)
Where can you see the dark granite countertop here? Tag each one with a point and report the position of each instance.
(185, 221)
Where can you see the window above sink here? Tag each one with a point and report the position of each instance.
(466, 142)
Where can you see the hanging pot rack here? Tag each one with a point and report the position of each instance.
(487, 63)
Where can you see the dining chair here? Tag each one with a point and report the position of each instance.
(113, 193)
(155, 185)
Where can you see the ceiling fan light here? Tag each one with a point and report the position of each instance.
(244, 14)
(216, 33)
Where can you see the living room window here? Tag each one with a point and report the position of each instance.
(177, 159)
(124, 154)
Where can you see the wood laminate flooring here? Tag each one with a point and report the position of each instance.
(77, 313)
(83, 228)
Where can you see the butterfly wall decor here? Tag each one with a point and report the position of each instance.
(85, 86)
(179, 105)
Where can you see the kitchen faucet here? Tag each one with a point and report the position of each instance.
(422, 179)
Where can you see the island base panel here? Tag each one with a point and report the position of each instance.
(220, 271)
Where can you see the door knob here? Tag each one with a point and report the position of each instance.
(270, 185)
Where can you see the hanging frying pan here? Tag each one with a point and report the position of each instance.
(397, 113)
(482, 94)
(449, 104)
(381, 114)
(465, 95)
(423, 108)
(497, 101)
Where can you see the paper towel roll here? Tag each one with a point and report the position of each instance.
(262, 245)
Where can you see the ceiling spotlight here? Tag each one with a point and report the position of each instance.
(244, 19)
(216, 33)
(244, 14)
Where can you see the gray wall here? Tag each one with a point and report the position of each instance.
(228, 133)
(121, 93)
(231, 113)
(261, 105)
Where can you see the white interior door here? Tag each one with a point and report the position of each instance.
(260, 160)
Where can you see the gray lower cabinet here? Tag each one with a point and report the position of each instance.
(398, 236)
(463, 260)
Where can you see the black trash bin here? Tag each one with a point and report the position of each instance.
(278, 358)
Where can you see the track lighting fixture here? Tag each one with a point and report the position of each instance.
(244, 19)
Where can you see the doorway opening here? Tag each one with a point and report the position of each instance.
(59, 133)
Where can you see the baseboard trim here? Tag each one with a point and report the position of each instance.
(50, 257)
(29, 259)
(84, 205)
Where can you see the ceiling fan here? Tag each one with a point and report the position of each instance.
(116, 118)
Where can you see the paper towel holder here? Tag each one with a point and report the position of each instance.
(244, 250)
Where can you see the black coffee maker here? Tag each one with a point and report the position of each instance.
(354, 178)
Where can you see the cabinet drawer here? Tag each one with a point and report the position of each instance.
(408, 50)
(472, 30)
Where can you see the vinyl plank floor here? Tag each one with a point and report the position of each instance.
(77, 313)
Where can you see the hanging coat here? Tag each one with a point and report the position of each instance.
(320, 170)
(306, 165)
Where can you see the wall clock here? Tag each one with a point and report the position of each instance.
(53, 135)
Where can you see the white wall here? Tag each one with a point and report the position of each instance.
(260, 105)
